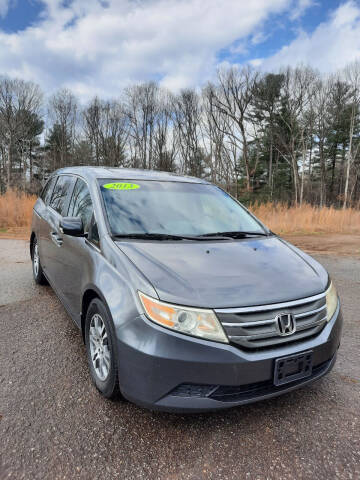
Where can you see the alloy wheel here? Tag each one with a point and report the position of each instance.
(99, 347)
(36, 260)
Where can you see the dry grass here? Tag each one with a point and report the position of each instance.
(16, 209)
(307, 219)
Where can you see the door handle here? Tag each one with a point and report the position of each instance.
(55, 237)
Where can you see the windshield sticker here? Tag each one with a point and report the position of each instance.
(121, 186)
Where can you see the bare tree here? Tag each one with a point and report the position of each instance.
(266, 105)
(187, 125)
(352, 74)
(320, 129)
(297, 92)
(62, 110)
(164, 139)
(18, 100)
(141, 108)
(232, 98)
(114, 133)
(214, 140)
(92, 126)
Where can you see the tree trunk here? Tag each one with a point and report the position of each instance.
(271, 169)
(322, 174)
(31, 164)
(349, 157)
(302, 168)
(9, 165)
(245, 156)
(333, 165)
(295, 179)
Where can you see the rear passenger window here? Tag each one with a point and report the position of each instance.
(81, 204)
(61, 190)
(47, 190)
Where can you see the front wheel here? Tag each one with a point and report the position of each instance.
(38, 273)
(101, 349)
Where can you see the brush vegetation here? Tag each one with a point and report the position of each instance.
(307, 219)
(16, 209)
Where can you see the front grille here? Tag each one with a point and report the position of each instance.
(230, 393)
(256, 327)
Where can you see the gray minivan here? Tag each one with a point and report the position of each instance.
(185, 301)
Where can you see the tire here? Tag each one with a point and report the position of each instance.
(101, 349)
(38, 273)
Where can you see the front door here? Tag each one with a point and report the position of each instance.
(52, 245)
(77, 263)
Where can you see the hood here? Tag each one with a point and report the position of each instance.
(225, 274)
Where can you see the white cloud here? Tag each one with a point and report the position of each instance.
(300, 7)
(98, 47)
(256, 63)
(331, 46)
(259, 37)
(4, 7)
(96, 50)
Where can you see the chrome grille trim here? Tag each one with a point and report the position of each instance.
(272, 320)
(273, 306)
(248, 324)
(274, 333)
(311, 325)
(257, 327)
(310, 312)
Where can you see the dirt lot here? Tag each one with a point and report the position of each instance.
(54, 424)
(330, 244)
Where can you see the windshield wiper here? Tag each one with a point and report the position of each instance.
(164, 236)
(204, 237)
(239, 234)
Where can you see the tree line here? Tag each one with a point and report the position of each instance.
(290, 136)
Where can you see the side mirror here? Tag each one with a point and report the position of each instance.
(72, 226)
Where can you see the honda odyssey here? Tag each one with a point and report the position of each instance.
(185, 301)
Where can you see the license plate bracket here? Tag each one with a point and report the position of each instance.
(293, 367)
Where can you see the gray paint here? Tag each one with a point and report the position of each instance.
(224, 274)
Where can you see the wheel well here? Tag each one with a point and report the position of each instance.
(32, 238)
(88, 296)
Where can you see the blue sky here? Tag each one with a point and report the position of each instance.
(98, 47)
(20, 14)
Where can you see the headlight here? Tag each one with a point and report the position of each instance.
(192, 321)
(331, 301)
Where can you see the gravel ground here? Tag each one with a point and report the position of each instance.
(54, 424)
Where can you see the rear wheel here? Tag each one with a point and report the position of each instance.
(38, 273)
(101, 349)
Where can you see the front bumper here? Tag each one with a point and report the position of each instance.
(163, 370)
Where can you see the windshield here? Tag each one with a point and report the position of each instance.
(172, 208)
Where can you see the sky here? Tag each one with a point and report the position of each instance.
(98, 47)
